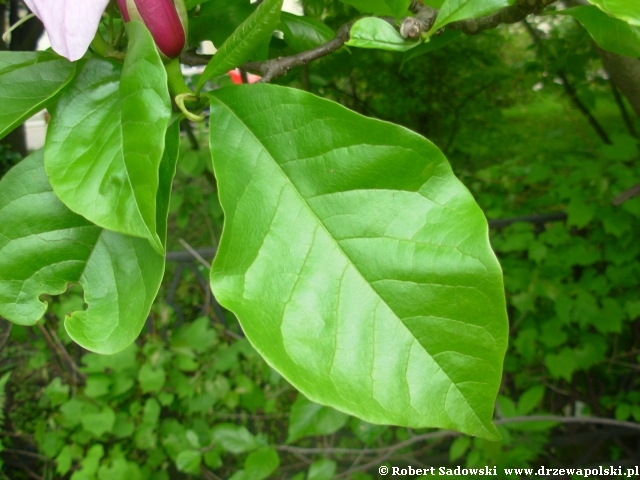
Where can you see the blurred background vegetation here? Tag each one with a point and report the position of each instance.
(533, 126)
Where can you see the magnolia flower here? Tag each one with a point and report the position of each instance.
(70, 24)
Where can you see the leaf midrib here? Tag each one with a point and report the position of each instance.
(339, 247)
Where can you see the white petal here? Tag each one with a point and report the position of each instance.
(70, 24)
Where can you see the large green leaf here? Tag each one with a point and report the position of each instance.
(608, 32)
(455, 10)
(357, 264)
(627, 10)
(106, 139)
(372, 32)
(44, 246)
(304, 33)
(28, 82)
(237, 49)
(381, 7)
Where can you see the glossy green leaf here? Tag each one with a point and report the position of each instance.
(304, 33)
(308, 419)
(381, 7)
(357, 264)
(28, 82)
(237, 49)
(627, 10)
(106, 139)
(372, 32)
(44, 246)
(455, 10)
(609, 33)
(435, 43)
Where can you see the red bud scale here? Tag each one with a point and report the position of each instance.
(162, 18)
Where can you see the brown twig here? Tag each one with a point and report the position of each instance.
(195, 254)
(54, 348)
(628, 194)
(626, 118)
(208, 474)
(25, 453)
(512, 14)
(67, 357)
(426, 17)
(277, 67)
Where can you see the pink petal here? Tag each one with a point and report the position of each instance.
(70, 24)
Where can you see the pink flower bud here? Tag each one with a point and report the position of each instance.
(165, 19)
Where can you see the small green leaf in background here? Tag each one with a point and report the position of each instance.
(234, 438)
(397, 8)
(530, 399)
(261, 463)
(579, 212)
(357, 264)
(609, 33)
(324, 469)
(100, 422)
(237, 49)
(304, 33)
(455, 10)
(313, 8)
(197, 335)
(372, 32)
(366, 432)
(28, 82)
(623, 411)
(151, 379)
(120, 468)
(627, 10)
(308, 418)
(217, 20)
(106, 140)
(507, 406)
(89, 464)
(56, 391)
(64, 460)
(97, 385)
(188, 461)
(459, 447)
